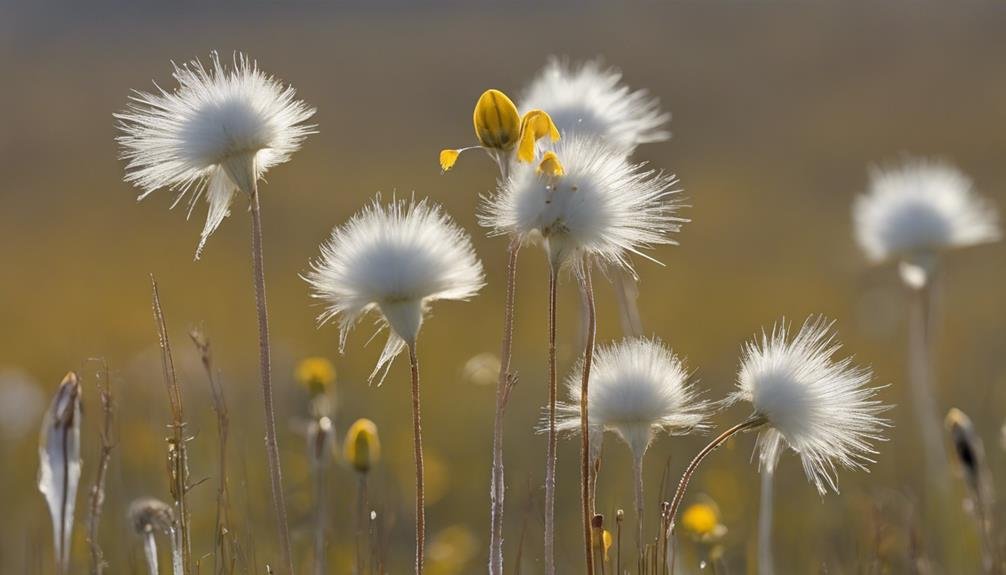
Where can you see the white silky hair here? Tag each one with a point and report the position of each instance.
(182, 140)
(604, 205)
(591, 100)
(397, 259)
(637, 387)
(821, 408)
(920, 208)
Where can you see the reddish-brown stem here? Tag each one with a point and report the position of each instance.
(588, 357)
(417, 436)
(551, 455)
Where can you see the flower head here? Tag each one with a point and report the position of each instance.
(595, 202)
(150, 515)
(820, 408)
(503, 132)
(701, 520)
(637, 388)
(591, 100)
(315, 374)
(362, 448)
(217, 133)
(919, 209)
(396, 259)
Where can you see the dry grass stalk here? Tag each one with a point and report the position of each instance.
(104, 456)
(586, 500)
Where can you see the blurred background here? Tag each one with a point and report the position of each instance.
(779, 109)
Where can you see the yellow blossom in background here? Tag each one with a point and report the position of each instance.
(482, 369)
(701, 520)
(316, 374)
(362, 448)
(451, 550)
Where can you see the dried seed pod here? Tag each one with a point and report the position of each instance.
(59, 463)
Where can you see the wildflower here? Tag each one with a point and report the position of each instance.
(396, 259)
(217, 133)
(316, 374)
(819, 407)
(914, 212)
(503, 133)
(591, 100)
(595, 202)
(701, 520)
(59, 464)
(362, 448)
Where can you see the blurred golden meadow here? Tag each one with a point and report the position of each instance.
(779, 108)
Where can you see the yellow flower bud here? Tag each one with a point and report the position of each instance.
(702, 520)
(362, 448)
(607, 541)
(535, 125)
(550, 165)
(448, 158)
(497, 124)
(316, 374)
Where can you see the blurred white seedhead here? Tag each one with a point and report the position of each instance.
(150, 516)
(219, 132)
(59, 464)
(590, 100)
(821, 408)
(914, 212)
(396, 259)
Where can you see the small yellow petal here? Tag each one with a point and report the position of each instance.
(606, 540)
(447, 159)
(362, 448)
(535, 125)
(550, 165)
(700, 519)
(497, 124)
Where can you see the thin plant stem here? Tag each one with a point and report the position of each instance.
(618, 542)
(637, 475)
(150, 552)
(920, 375)
(321, 514)
(271, 443)
(503, 389)
(417, 436)
(104, 456)
(590, 321)
(750, 423)
(361, 519)
(177, 560)
(550, 457)
(765, 563)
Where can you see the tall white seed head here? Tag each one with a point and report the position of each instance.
(603, 205)
(218, 132)
(821, 408)
(638, 387)
(590, 100)
(396, 259)
(915, 211)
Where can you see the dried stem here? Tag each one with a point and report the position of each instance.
(361, 519)
(590, 321)
(618, 541)
(178, 459)
(271, 443)
(765, 563)
(104, 456)
(223, 555)
(417, 436)
(504, 387)
(550, 458)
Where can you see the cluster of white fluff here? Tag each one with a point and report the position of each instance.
(189, 140)
(820, 407)
(604, 206)
(919, 209)
(591, 100)
(395, 258)
(637, 388)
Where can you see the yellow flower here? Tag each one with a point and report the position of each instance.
(606, 540)
(500, 130)
(702, 521)
(316, 374)
(550, 165)
(362, 448)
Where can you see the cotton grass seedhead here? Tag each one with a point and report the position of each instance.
(219, 132)
(600, 205)
(395, 259)
(149, 515)
(60, 463)
(819, 407)
(915, 211)
(638, 387)
(590, 100)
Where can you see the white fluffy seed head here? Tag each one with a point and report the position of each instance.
(219, 131)
(638, 387)
(923, 207)
(821, 408)
(604, 206)
(590, 99)
(396, 259)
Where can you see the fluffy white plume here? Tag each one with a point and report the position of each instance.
(637, 388)
(604, 205)
(218, 132)
(396, 259)
(590, 100)
(821, 408)
(919, 209)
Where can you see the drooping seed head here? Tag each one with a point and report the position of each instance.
(149, 515)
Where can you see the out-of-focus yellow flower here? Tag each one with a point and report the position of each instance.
(500, 130)
(606, 541)
(482, 369)
(316, 374)
(550, 165)
(362, 448)
(451, 550)
(701, 520)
